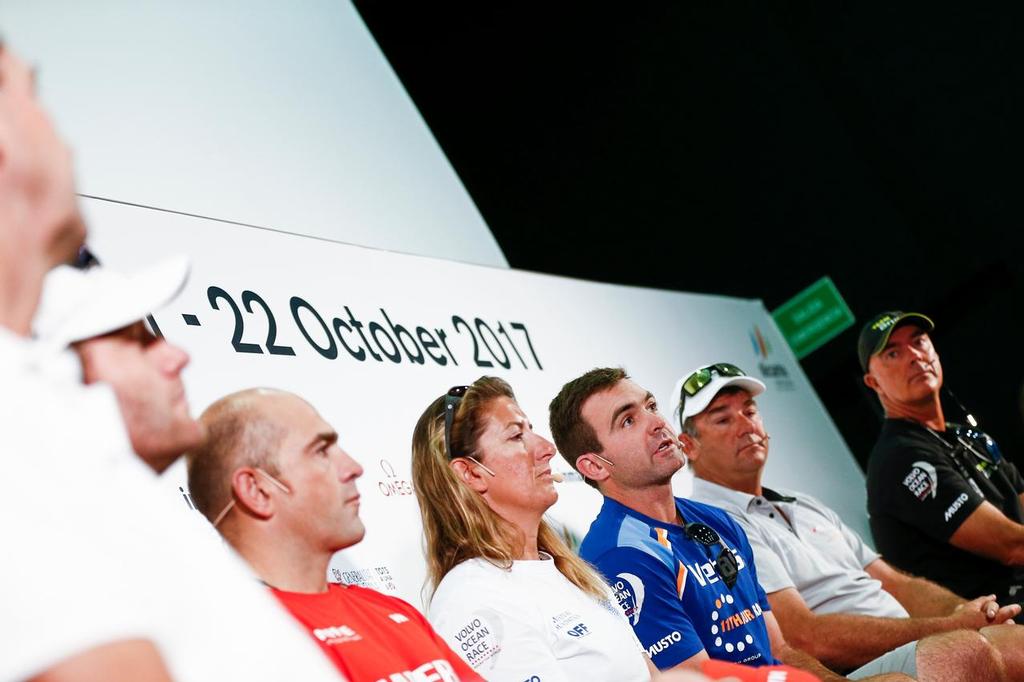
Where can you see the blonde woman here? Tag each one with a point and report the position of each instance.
(508, 595)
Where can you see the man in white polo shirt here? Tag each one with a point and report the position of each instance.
(206, 611)
(832, 595)
(60, 618)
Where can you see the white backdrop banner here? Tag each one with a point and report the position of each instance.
(371, 337)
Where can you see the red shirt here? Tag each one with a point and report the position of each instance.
(766, 673)
(373, 637)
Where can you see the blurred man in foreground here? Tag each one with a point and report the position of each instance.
(99, 636)
(193, 591)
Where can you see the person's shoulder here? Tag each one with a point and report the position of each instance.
(805, 499)
(713, 516)
(364, 594)
(476, 586)
(704, 512)
(382, 602)
(604, 530)
(900, 440)
(469, 576)
(630, 539)
(898, 434)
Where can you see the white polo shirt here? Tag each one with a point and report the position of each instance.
(97, 551)
(60, 588)
(528, 622)
(799, 542)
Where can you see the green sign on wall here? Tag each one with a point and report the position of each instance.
(813, 317)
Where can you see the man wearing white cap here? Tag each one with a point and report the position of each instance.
(832, 595)
(207, 613)
(58, 616)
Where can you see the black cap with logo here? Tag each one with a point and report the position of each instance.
(875, 334)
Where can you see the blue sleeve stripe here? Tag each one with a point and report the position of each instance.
(637, 535)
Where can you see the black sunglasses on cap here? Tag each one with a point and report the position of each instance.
(726, 565)
(451, 401)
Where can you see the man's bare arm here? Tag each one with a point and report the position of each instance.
(133, 660)
(846, 641)
(794, 657)
(692, 663)
(923, 598)
(989, 533)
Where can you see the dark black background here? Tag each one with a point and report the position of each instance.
(747, 149)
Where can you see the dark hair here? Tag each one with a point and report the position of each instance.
(572, 434)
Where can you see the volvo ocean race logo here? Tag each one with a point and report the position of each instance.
(629, 591)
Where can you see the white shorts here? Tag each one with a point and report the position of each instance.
(900, 660)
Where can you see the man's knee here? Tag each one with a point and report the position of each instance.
(1008, 640)
(961, 655)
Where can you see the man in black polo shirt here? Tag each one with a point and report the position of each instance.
(944, 504)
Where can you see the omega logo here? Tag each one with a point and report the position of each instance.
(392, 485)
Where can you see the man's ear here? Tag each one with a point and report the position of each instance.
(252, 493)
(470, 473)
(870, 381)
(690, 445)
(592, 467)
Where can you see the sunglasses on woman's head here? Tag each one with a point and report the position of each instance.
(451, 402)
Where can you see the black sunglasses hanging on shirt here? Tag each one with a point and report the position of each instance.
(726, 565)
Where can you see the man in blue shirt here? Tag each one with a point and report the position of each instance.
(682, 571)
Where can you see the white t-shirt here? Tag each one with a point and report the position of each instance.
(530, 623)
(95, 551)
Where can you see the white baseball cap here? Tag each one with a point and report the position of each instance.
(713, 378)
(81, 304)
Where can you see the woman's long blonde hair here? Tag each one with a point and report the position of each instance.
(457, 522)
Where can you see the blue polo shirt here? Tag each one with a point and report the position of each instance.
(667, 585)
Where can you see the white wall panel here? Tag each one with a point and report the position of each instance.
(279, 114)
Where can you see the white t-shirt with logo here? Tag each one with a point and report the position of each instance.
(529, 623)
(95, 550)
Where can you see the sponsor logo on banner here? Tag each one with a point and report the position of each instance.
(772, 372)
(955, 507)
(922, 481)
(392, 485)
(376, 578)
(629, 592)
(478, 640)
